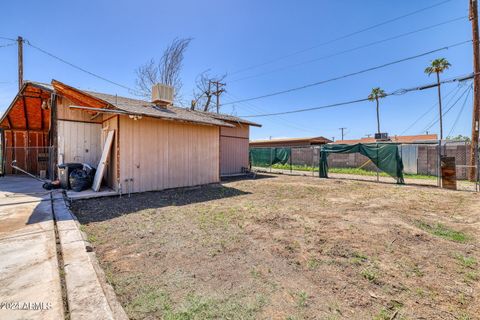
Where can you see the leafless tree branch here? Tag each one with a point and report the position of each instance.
(166, 71)
(205, 90)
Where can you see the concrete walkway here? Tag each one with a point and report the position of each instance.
(29, 274)
(89, 296)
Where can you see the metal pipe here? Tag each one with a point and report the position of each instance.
(439, 155)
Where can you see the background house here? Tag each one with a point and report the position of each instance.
(155, 146)
(289, 142)
(397, 139)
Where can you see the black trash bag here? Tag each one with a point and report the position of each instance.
(90, 171)
(80, 180)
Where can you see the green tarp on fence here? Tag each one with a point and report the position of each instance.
(384, 155)
(265, 157)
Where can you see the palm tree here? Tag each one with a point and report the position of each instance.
(438, 66)
(375, 95)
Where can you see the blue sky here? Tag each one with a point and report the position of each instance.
(112, 38)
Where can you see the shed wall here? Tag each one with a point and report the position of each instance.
(79, 137)
(234, 149)
(157, 154)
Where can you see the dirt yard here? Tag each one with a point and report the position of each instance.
(285, 247)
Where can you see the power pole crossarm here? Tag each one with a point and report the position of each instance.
(20, 62)
(473, 16)
(218, 92)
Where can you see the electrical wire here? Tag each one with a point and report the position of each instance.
(284, 121)
(456, 89)
(351, 74)
(437, 118)
(394, 93)
(81, 69)
(7, 45)
(346, 36)
(460, 112)
(444, 113)
(350, 50)
(307, 109)
(6, 38)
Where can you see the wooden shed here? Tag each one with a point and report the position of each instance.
(154, 147)
(234, 144)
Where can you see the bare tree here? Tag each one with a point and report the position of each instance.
(205, 90)
(166, 71)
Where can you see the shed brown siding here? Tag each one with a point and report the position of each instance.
(159, 154)
(234, 149)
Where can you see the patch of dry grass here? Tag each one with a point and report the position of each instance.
(290, 248)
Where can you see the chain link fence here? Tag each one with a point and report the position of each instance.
(421, 162)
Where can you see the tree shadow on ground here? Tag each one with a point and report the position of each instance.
(101, 209)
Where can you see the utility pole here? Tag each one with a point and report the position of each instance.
(342, 129)
(20, 62)
(473, 16)
(218, 91)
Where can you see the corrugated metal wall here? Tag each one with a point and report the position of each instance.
(409, 154)
(234, 149)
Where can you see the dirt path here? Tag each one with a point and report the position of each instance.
(289, 247)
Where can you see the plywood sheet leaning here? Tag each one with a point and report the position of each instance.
(103, 161)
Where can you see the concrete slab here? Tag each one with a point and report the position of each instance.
(29, 275)
(86, 292)
(88, 194)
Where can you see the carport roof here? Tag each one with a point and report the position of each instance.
(23, 113)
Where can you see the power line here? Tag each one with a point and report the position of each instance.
(352, 74)
(348, 35)
(307, 109)
(6, 38)
(351, 49)
(7, 45)
(446, 111)
(285, 122)
(457, 88)
(394, 93)
(460, 112)
(80, 68)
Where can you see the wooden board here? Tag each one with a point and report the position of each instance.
(449, 175)
(103, 161)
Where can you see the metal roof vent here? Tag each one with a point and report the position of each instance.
(162, 95)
